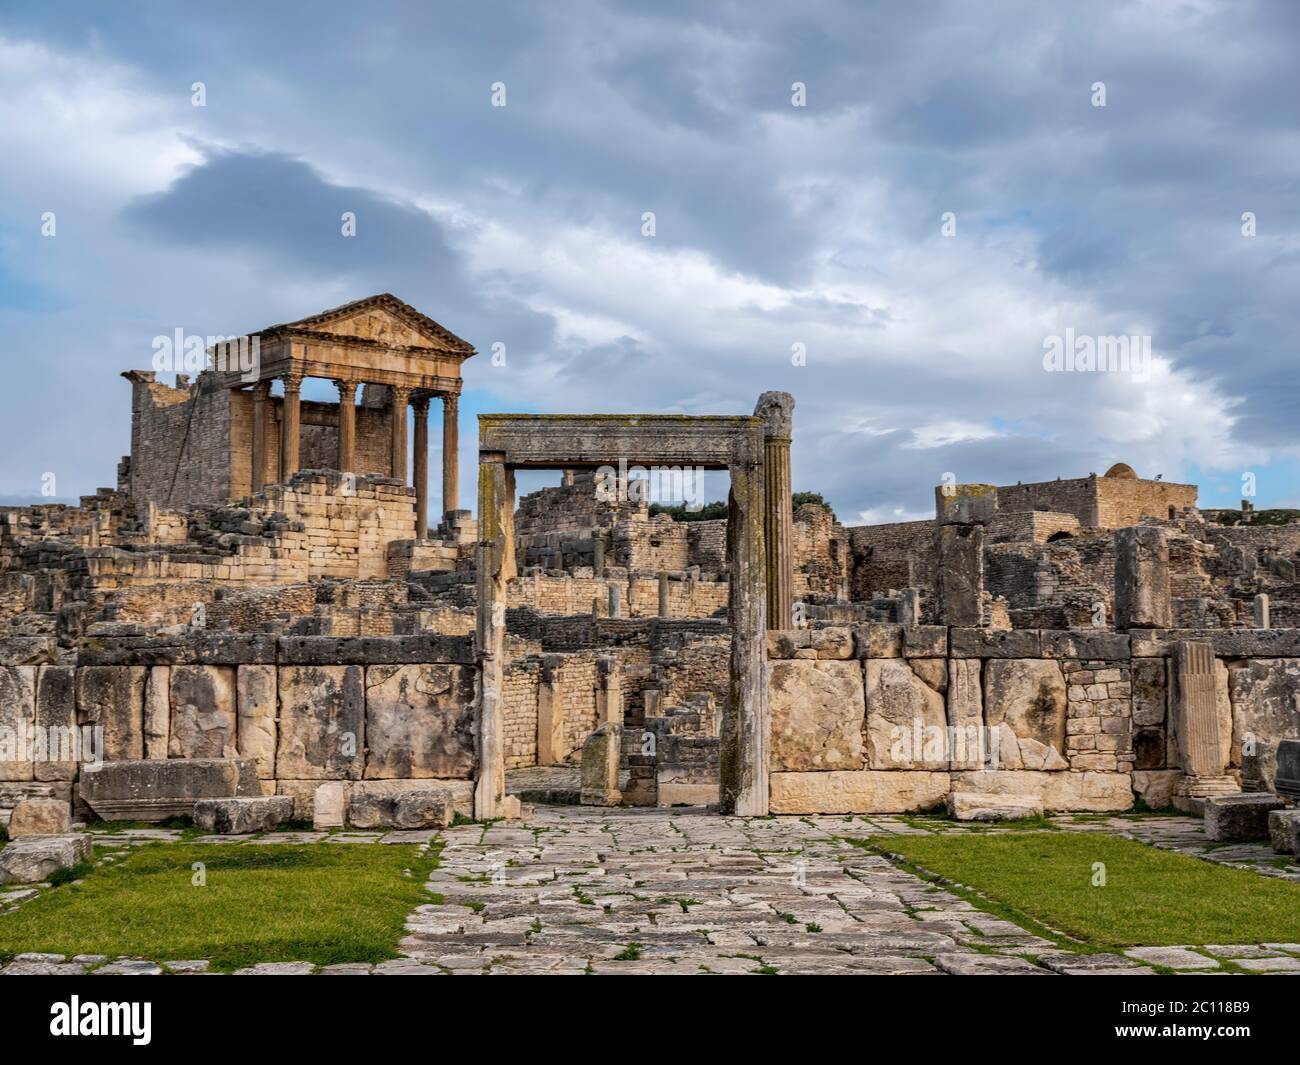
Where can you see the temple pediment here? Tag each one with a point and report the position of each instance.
(383, 320)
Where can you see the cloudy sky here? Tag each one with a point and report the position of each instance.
(777, 228)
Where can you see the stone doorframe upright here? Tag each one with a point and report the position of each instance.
(508, 442)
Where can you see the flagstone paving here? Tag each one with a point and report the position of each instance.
(580, 890)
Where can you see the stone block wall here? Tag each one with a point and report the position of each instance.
(308, 709)
(881, 718)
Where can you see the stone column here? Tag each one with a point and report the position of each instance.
(776, 410)
(746, 728)
(400, 397)
(450, 453)
(1142, 593)
(550, 715)
(663, 595)
(959, 590)
(421, 464)
(1261, 611)
(1194, 706)
(289, 426)
(615, 600)
(261, 417)
(347, 459)
(496, 566)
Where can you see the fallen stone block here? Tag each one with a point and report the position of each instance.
(40, 817)
(1239, 818)
(242, 815)
(972, 806)
(37, 858)
(1283, 830)
(154, 790)
(427, 806)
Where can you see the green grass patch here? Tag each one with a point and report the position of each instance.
(323, 903)
(1150, 897)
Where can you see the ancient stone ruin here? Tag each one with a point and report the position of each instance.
(261, 622)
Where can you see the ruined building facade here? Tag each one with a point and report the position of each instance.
(265, 582)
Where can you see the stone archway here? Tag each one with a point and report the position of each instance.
(508, 442)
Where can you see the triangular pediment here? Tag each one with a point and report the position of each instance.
(383, 320)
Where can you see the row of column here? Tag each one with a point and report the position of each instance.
(290, 435)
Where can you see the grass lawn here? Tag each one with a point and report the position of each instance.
(1150, 897)
(320, 902)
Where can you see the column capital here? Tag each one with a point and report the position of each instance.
(262, 389)
(420, 402)
(292, 382)
(347, 386)
(401, 394)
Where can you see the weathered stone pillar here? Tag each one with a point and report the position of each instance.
(746, 727)
(1142, 594)
(663, 595)
(496, 566)
(289, 426)
(550, 715)
(400, 397)
(1261, 611)
(1194, 706)
(959, 589)
(776, 410)
(909, 606)
(609, 695)
(421, 463)
(347, 425)
(615, 600)
(450, 453)
(261, 420)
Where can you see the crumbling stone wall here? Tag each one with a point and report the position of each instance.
(868, 719)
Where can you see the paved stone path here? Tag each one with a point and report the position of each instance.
(657, 891)
(582, 890)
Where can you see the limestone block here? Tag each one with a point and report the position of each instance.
(878, 640)
(959, 579)
(907, 720)
(111, 698)
(925, 641)
(255, 705)
(832, 643)
(817, 710)
(203, 723)
(1059, 791)
(1239, 818)
(40, 817)
(1263, 695)
(1083, 643)
(154, 790)
(1142, 588)
(974, 806)
(157, 712)
(1155, 787)
(857, 792)
(967, 642)
(419, 721)
(17, 716)
(1150, 691)
(1029, 695)
(1283, 826)
(966, 714)
(600, 757)
(240, 816)
(30, 861)
(58, 742)
(783, 643)
(322, 723)
(965, 504)
(410, 805)
(329, 805)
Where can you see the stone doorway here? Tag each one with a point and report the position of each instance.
(509, 442)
